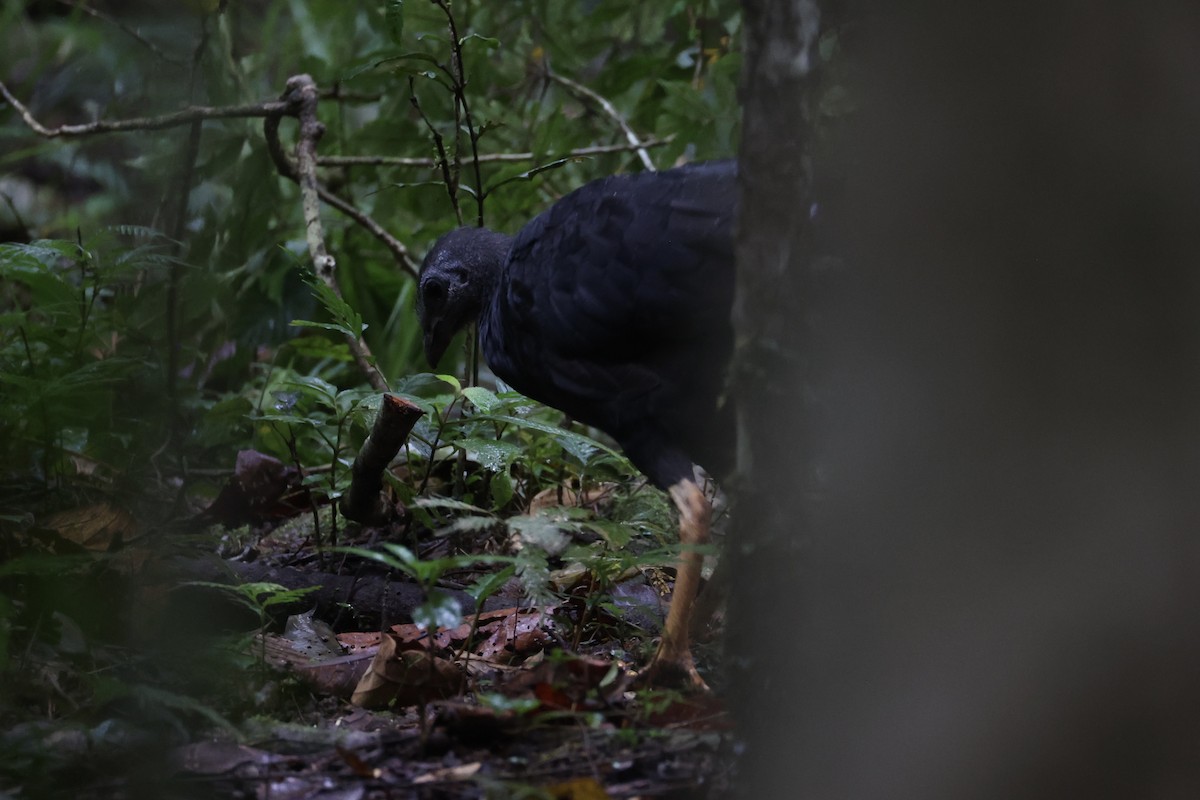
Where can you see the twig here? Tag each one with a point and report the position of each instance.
(459, 75)
(486, 158)
(462, 116)
(301, 97)
(182, 117)
(442, 162)
(694, 20)
(174, 276)
(272, 111)
(340, 93)
(300, 100)
(363, 501)
(578, 88)
(288, 170)
(100, 15)
(176, 224)
(397, 248)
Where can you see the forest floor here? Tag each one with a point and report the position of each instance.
(267, 668)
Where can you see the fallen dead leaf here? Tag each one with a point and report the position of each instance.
(406, 677)
(578, 789)
(458, 773)
(514, 636)
(97, 527)
(595, 498)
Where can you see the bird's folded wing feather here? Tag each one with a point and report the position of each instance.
(627, 264)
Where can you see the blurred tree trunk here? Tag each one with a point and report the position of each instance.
(771, 317)
(1000, 391)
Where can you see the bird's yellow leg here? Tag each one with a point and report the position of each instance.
(673, 664)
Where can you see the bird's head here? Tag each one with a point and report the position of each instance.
(457, 278)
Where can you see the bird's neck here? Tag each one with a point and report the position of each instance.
(487, 253)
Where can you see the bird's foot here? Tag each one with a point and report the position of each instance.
(678, 672)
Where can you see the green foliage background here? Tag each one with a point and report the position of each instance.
(145, 334)
(150, 281)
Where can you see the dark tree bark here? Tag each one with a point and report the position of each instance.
(772, 314)
(1001, 396)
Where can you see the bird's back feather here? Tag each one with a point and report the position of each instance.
(614, 306)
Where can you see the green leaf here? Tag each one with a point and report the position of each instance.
(487, 40)
(440, 610)
(493, 455)
(541, 532)
(581, 447)
(616, 534)
(448, 504)
(488, 585)
(483, 399)
(397, 557)
(318, 347)
(502, 703)
(395, 20)
(287, 419)
(502, 489)
(453, 381)
(533, 571)
(466, 525)
(345, 318)
(328, 326)
(317, 386)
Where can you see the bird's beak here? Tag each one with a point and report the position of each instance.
(436, 343)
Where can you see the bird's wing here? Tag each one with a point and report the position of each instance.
(614, 304)
(627, 263)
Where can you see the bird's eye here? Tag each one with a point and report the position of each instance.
(434, 294)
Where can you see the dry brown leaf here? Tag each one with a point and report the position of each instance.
(356, 641)
(217, 758)
(514, 636)
(595, 498)
(96, 527)
(458, 773)
(331, 675)
(406, 677)
(410, 634)
(578, 789)
(357, 765)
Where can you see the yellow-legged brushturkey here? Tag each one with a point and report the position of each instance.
(614, 306)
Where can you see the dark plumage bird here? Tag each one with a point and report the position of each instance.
(614, 306)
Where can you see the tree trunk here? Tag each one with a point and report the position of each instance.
(771, 318)
(999, 390)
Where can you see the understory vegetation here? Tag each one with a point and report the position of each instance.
(181, 377)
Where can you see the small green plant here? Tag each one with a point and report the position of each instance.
(439, 609)
(260, 598)
(76, 347)
(310, 424)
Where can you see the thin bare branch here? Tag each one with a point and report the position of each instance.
(301, 95)
(397, 248)
(449, 171)
(288, 170)
(579, 89)
(458, 72)
(486, 158)
(183, 117)
(341, 94)
(111, 20)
